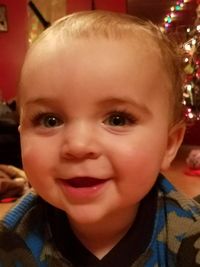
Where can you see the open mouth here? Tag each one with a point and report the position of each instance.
(81, 182)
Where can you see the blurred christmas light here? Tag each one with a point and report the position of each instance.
(173, 15)
(198, 28)
(194, 41)
(191, 115)
(174, 10)
(178, 7)
(187, 47)
(191, 59)
(191, 86)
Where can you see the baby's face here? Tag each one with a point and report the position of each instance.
(94, 126)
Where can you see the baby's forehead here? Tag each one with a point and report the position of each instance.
(50, 52)
(140, 38)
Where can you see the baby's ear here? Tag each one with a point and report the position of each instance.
(175, 139)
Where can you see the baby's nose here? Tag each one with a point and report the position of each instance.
(80, 142)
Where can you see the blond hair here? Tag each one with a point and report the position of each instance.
(110, 25)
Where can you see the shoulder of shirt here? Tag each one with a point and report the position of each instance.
(25, 234)
(19, 210)
(177, 200)
(176, 229)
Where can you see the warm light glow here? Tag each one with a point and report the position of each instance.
(189, 87)
(187, 47)
(191, 115)
(198, 28)
(173, 15)
(193, 41)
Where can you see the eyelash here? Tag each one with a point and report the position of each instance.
(128, 118)
(122, 118)
(39, 119)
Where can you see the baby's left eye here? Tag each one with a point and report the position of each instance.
(119, 119)
(50, 121)
(46, 120)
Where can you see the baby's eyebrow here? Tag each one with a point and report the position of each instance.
(109, 102)
(40, 101)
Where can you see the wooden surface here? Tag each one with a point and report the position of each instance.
(4, 207)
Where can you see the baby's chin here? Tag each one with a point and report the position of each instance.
(86, 216)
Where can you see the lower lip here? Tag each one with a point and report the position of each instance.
(81, 193)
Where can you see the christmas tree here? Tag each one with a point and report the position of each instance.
(191, 86)
(189, 39)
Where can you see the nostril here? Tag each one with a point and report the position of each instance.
(77, 153)
(79, 144)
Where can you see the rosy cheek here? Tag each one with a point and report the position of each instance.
(31, 156)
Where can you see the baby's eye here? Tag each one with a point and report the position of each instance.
(119, 119)
(51, 121)
(47, 120)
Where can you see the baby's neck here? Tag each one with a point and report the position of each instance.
(99, 238)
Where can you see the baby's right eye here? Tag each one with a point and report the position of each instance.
(47, 120)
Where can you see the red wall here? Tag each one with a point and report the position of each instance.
(112, 5)
(78, 5)
(13, 46)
